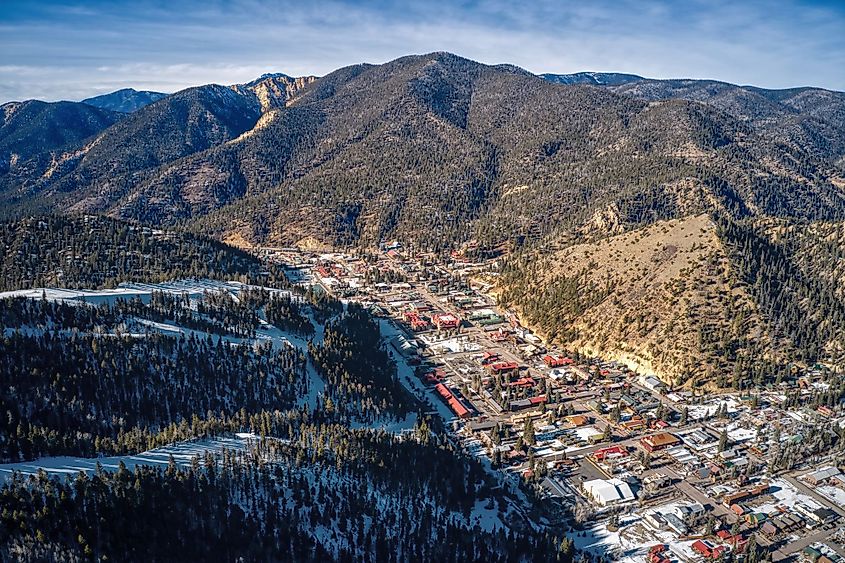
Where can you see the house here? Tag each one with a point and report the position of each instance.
(656, 520)
(691, 513)
(577, 420)
(656, 481)
(755, 518)
(677, 525)
(659, 442)
(769, 529)
(703, 547)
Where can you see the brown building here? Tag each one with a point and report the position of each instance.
(659, 442)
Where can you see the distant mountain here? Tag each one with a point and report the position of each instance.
(33, 127)
(594, 78)
(126, 100)
(810, 118)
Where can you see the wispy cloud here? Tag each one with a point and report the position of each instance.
(59, 49)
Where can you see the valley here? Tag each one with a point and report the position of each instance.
(424, 310)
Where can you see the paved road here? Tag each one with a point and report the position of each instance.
(811, 493)
(695, 494)
(799, 544)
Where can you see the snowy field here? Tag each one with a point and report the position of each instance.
(182, 452)
(709, 408)
(613, 546)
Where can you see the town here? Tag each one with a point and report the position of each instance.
(643, 471)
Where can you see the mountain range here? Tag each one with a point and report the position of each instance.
(441, 151)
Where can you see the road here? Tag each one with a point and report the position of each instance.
(695, 494)
(819, 498)
(799, 544)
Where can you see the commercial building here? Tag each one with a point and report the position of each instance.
(659, 442)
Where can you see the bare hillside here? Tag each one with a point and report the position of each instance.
(658, 298)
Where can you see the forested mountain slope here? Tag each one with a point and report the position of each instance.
(700, 300)
(435, 149)
(93, 252)
(32, 127)
(810, 118)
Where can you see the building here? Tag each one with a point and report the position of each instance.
(653, 384)
(821, 475)
(453, 402)
(503, 367)
(405, 347)
(659, 442)
(610, 453)
(557, 361)
(445, 321)
(606, 492)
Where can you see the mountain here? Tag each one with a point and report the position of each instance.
(33, 127)
(810, 118)
(125, 100)
(109, 164)
(593, 78)
(438, 150)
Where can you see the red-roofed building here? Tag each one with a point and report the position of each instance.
(454, 403)
(503, 367)
(702, 548)
(611, 452)
(557, 361)
(445, 320)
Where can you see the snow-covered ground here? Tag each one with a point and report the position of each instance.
(193, 288)
(835, 494)
(786, 496)
(613, 546)
(407, 376)
(182, 452)
(709, 408)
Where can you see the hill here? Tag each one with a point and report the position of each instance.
(659, 298)
(125, 100)
(699, 300)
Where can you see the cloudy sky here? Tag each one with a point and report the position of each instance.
(62, 49)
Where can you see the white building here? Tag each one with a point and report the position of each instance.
(607, 492)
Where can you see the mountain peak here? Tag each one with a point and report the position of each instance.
(274, 89)
(125, 100)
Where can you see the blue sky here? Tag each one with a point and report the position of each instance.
(60, 49)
